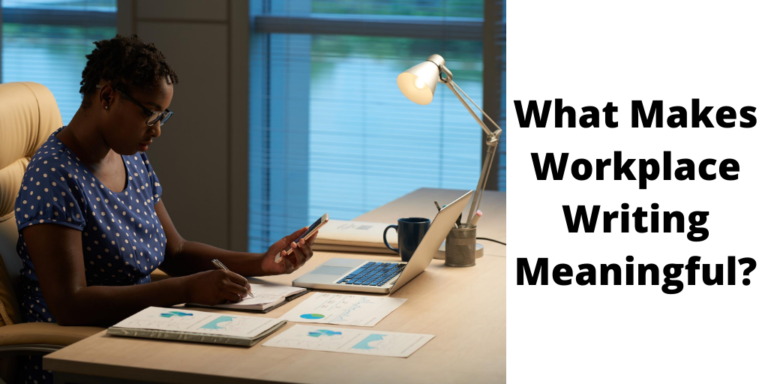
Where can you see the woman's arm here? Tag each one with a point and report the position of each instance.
(184, 257)
(57, 253)
(61, 273)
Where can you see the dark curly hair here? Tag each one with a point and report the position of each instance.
(125, 60)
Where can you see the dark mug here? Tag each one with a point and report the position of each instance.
(410, 231)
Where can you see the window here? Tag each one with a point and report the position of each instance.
(45, 41)
(331, 132)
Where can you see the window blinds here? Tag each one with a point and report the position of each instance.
(330, 130)
(45, 41)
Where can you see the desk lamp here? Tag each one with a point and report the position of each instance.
(418, 84)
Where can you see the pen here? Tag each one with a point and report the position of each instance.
(221, 265)
(458, 221)
(438, 206)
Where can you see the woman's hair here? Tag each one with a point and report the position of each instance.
(125, 60)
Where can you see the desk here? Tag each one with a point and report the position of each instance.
(463, 307)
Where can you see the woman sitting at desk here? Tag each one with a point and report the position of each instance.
(92, 226)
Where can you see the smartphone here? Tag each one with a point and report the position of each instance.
(310, 231)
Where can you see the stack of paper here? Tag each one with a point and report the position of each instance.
(355, 236)
(265, 298)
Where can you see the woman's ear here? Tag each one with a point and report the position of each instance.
(106, 95)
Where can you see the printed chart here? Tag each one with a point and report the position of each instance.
(327, 308)
(197, 322)
(393, 344)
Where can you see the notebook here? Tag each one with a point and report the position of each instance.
(196, 326)
(356, 237)
(266, 297)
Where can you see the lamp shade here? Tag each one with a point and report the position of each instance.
(419, 82)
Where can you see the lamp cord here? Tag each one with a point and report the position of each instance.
(495, 241)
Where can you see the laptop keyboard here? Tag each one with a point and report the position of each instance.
(373, 274)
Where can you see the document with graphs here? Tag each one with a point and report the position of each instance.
(196, 326)
(361, 342)
(328, 308)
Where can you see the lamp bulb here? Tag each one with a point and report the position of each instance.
(419, 83)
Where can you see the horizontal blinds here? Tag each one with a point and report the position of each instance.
(45, 41)
(330, 130)
(432, 8)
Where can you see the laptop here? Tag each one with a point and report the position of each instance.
(355, 275)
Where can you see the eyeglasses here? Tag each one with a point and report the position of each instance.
(152, 116)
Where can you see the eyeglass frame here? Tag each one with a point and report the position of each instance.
(162, 116)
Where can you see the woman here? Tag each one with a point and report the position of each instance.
(92, 225)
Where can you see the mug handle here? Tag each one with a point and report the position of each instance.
(385, 238)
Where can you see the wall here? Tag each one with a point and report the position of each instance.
(201, 158)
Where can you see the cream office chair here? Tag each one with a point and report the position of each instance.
(28, 115)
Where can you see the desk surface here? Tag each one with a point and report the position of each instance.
(463, 307)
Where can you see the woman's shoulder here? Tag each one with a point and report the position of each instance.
(50, 190)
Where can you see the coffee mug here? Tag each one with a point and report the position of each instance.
(410, 231)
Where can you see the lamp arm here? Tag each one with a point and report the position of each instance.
(492, 142)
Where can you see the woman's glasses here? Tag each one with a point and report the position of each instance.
(153, 117)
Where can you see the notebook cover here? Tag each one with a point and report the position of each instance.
(193, 337)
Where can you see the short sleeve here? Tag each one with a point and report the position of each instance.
(49, 194)
(157, 189)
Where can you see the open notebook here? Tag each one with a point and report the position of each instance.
(266, 297)
(196, 326)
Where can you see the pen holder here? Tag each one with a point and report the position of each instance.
(460, 247)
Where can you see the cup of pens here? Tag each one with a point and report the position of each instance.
(460, 245)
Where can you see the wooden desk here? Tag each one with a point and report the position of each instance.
(421, 203)
(464, 308)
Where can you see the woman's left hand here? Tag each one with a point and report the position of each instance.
(288, 263)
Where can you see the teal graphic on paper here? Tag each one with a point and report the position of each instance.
(365, 344)
(175, 313)
(312, 316)
(321, 332)
(215, 323)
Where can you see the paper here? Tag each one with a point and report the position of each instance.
(328, 308)
(362, 342)
(267, 293)
(172, 319)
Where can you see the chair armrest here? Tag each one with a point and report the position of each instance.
(44, 333)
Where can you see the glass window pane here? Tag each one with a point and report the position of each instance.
(348, 140)
(52, 55)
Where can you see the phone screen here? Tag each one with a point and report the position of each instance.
(309, 230)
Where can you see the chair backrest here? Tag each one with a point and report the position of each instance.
(28, 116)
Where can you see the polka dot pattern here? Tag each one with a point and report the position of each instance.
(123, 240)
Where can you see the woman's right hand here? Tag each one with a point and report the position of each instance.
(216, 286)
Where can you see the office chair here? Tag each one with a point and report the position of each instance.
(28, 116)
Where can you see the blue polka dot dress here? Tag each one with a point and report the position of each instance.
(122, 239)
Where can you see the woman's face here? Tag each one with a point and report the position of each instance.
(125, 129)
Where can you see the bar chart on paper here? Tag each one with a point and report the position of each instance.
(362, 342)
(327, 308)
